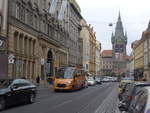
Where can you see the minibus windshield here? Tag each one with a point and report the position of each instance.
(65, 73)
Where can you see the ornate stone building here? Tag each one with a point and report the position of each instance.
(119, 42)
(36, 42)
(68, 13)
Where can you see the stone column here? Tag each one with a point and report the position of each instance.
(27, 46)
(27, 69)
(18, 36)
(31, 47)
(23, 41)
(4, 11)
(31, 70)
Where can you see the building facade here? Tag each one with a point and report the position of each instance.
(106, 65)
(98, 52)
(68, 14)
(146, 39)
(138, 51)
(85, 37)
(36, 41)
(92, 65)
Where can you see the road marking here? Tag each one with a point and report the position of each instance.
(66, 102)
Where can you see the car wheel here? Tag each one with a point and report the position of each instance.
(32, 98)
(55, 90)
(2, 103)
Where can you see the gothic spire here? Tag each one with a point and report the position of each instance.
(149, 26)
(119, 17)
(125, 33)
(119, 27)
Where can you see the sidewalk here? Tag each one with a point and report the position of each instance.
(41, 87)
(117, 110)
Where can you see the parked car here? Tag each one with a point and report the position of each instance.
(141, 102)
(122, 89)
(122, 84)
(91, 81)
(16, 91)
(130, 92)
(105, 79)
(98, 81)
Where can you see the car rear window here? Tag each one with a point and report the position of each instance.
(138, 88)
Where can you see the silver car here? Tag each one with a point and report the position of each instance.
(91, 81)
(141, 102)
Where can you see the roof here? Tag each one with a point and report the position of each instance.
(107, 53)
(128, 58)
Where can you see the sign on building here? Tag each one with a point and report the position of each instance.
(11, 59)
(42, 61)
(47, 68)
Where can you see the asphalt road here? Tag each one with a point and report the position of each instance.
(95, 99)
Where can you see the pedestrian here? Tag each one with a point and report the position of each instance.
(38, 80)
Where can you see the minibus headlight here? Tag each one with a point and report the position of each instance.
(69, 82)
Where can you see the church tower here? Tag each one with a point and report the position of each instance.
(119, 41)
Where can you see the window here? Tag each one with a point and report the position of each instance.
(146, 59)
(145, 46)
(16, 83)
(35, 22)
(149, 42)
(17, 10)
(24, 82)
(141, 103)
(31, 19)
(22, 14)
(149, 56)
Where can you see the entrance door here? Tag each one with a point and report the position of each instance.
(3, 65)
(50, 62)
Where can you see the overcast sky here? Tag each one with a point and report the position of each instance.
(135, 15)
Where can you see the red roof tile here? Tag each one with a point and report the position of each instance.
(106, 53)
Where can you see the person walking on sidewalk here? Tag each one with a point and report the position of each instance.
(38, 80)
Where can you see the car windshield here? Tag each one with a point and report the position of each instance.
(91, 78)
(5, 83)
(128, 78)
(65, 73)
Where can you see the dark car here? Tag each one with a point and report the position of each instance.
(16, 91)
(130, 92)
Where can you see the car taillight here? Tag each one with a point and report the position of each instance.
(130, 97)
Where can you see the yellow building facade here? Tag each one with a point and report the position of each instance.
(138, 51)
(92, 66)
